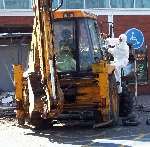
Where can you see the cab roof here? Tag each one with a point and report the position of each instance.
(61, 14)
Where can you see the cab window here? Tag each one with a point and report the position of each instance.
(94, 33)
(85, 52)
(65, 45)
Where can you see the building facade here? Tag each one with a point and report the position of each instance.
(114, 16)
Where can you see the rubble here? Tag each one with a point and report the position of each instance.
(7, 104)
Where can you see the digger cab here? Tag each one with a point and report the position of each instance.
(76, 41)
(88, 89)
(78, 52)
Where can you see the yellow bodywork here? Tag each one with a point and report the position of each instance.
(61, 14)
(19, 85)
(103, 70)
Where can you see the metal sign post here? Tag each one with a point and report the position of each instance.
(136, 80)
(136, 38)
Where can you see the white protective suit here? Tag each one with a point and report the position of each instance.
(121, 55)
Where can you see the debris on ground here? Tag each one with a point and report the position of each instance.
(7, 99)
(7, 104)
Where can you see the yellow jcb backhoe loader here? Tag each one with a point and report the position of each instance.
(68, 79)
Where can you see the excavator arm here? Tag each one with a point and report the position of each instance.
(43, 88)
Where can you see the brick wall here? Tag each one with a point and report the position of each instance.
(102, 22)
(122, 24)
(16, 21)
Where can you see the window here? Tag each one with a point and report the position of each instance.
(104, 3)
(142, 4)
(95, 38)
(55, 3)
(15, 4)
(122, 3)
(84, 46)
(91, 3)
(65, 45)
(1, 4)
(73, 4)
(96, 3)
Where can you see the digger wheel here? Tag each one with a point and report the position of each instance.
(114, 100)
(126, 104)
(20, 115)
(21, 121)
(39, 122)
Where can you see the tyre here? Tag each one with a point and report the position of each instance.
(20, 115)
(126, 103)
(21, 121)
(39, 123)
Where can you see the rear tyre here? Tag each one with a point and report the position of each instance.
(21, 121)
(39, 122)
(20, 115)
(126, 103)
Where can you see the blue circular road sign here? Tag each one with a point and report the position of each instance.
(135, 37)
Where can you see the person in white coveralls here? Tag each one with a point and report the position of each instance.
(120, 53)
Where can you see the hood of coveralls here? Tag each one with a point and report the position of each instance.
(123, 49)
(124, 38)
